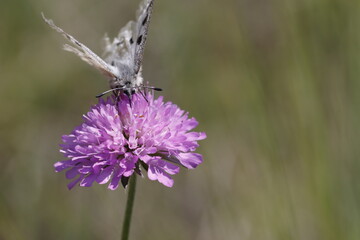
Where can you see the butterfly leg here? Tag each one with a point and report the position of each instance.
(143, 96)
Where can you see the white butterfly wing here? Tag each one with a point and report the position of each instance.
(124, 55)
(84, 52)
(141, 31)
(119, 52)
(128, 47)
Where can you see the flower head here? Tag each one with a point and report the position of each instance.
(117, 137)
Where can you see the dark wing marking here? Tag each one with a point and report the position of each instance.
(84, 52)
(141, 31)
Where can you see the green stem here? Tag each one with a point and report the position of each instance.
(129, 207)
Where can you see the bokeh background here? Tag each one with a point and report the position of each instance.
(274, 84)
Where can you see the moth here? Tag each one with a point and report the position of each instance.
(122, 64)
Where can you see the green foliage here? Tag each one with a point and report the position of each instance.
(274, 84)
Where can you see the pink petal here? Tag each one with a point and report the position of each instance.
(105, 175)
(88, 181)
(190, 160)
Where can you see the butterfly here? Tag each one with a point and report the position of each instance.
(122, 64)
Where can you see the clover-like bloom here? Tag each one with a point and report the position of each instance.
(117, 138)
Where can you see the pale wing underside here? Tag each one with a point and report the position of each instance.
(124, 55)
(142, 27)
(127, 49)
(119, 52)
(84, 52)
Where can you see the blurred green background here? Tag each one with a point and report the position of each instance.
(274, 84)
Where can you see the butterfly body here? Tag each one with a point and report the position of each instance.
(127, 79)
(122, 64)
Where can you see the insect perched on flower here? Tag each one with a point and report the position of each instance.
(131, 131)
(116, 141)
(124, 55)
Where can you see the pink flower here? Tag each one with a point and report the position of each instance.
(117, 140)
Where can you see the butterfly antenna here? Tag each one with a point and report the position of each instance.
(152, 88)
(108, 91)
(122, 88)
